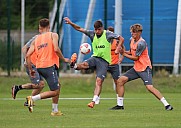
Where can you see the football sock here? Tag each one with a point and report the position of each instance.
(36, 97)
(164, 101)
(120, 101)
(20, 87)
(54, 107)
(95, 98)
(98, 100)
(75, 66)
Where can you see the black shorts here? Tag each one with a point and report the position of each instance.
(50, 75)
(114, 70)
(100, 65)
(37, 78)
(145, 75)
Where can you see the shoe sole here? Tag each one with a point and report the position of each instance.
(30, 105)
(90, 105)
(61, 114)
(169, 109)
(30, 109)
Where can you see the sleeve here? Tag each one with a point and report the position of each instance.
(110, 36)
(30, 41)
(140, 48)
(90, 34)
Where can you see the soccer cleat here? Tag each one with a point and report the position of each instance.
(73, 60)
(14, 89)
(26, 104)
(168, 108)
(30, 103)
(56, 113)
(117, 108)
(91, 104)
(30, 109)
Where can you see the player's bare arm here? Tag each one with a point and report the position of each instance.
(57, 49)
(28, 58)
(75, 26)
(134, 58)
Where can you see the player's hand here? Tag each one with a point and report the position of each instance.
(67, 60)
(122, 50)
(67, 20)
(32, 73)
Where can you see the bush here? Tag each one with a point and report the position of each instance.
(14, 56)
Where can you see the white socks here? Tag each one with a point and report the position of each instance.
(164, 101)
(54, 107)
(75, 66)
(36, 97)
(95, 98)
(98, 100)
(120, 101)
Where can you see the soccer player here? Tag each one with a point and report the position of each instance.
(142, 68)
(48, 53)
(101, 58)
(116, 59)
(37, 83)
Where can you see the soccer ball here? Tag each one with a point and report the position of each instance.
(85, 48)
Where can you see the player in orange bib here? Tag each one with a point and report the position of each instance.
(48, 53)
(37, 83)
(142, 68)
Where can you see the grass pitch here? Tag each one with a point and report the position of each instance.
(142, 109)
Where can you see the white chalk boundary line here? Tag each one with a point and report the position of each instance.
(6, 99)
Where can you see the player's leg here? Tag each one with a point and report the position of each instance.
(97, 91)
(115, 73)
(128, 76)
(33, 85)
(83, 65)
(38, 90)
(50, 75)
(101, 71)
(146, 76)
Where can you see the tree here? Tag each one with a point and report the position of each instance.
(34, 10)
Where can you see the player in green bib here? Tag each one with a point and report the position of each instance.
(101, 58)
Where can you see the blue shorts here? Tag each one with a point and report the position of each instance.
(50, 75)
(114, 70)
(145, 75)
(37, 78)
(100, 65)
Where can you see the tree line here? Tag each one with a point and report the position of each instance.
(34, 10)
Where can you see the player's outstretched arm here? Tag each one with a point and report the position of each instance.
(75, 26)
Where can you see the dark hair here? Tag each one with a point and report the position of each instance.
(98, 24)
(110, 28)
(44, 22)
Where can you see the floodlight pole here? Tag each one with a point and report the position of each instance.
(151, 31)
(8, 36)
(177, 41)
(22, 31)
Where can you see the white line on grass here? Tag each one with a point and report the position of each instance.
(78, 98)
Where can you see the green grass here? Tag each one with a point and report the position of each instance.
(142, 110)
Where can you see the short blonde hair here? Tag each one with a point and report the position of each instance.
(136, 28)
